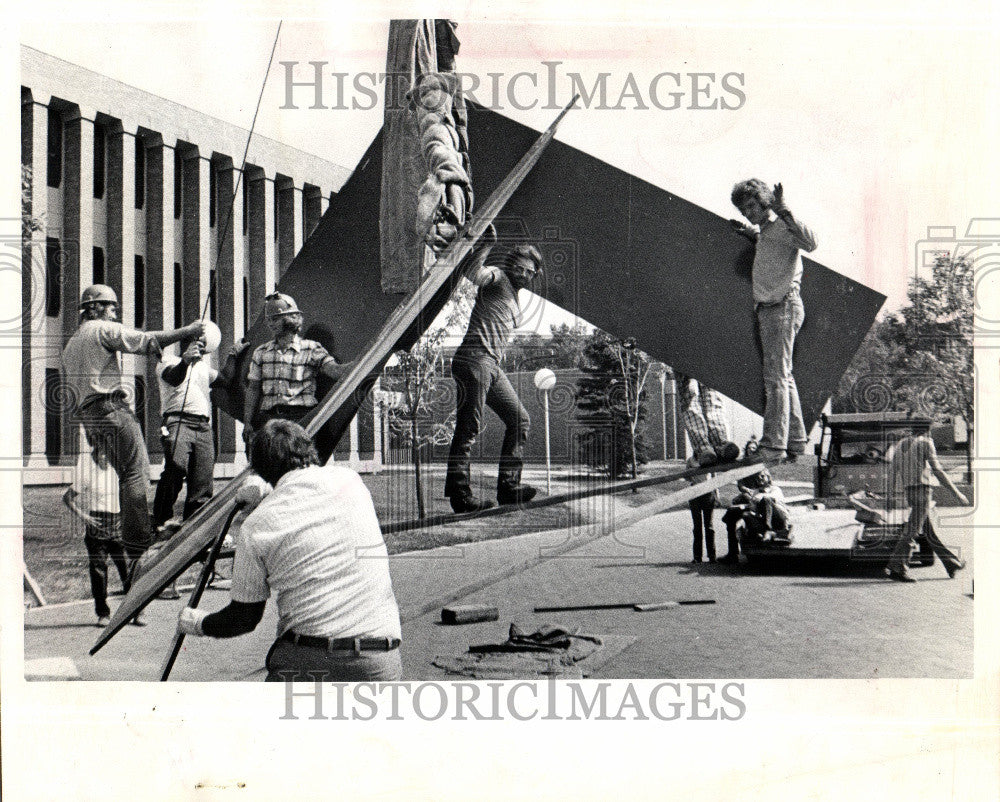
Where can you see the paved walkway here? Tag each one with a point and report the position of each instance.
(808, 620)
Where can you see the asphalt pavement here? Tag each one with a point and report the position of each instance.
(791, 619)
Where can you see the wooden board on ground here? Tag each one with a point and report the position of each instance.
(199, 530)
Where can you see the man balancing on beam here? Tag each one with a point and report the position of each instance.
(480, 380)
(777, 278)
(93, 374)
(315, 540)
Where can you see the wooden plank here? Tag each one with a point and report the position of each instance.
(641, 607)
(549, 501)
(198, 531)
(582, 535)
(32, 585)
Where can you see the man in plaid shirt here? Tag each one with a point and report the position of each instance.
(704, 417)
(281, 382)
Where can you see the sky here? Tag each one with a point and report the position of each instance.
(876, 129)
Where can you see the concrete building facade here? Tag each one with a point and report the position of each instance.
(148, 196)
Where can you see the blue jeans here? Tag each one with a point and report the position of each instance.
(100, 548)
(188, 453)
(778, 324)
(919, 527)
(111, 422)
(481, 382)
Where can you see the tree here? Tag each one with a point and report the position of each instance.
(920, 358)
(29, 223)
(562, 348)
(417, 377)
(611, 400)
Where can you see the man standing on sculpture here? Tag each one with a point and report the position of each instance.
(480, 381)
(777, 277)
(92, 371)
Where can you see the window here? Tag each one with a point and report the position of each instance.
(140, 173)
(53, 276)
(100, 153)
(213, 189)
(140, 292)
(246, 206)
(178, 183)
(53, 415)
(99, 266)
(276, 205)
(140, 400)
(178, 295)
(55, 148)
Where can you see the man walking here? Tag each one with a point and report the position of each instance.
(915, 471)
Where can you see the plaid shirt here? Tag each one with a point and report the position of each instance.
(703, 414)
(288, 375)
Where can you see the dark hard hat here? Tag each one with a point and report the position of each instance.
(98, 293)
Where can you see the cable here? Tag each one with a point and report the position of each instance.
(229, 217)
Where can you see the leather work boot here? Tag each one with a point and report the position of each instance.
(521, 494)
(462, 504)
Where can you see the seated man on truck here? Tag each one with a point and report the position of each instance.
(760, 507)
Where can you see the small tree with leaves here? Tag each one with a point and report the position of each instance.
(419, 377)
(29, 223)
(611, 404)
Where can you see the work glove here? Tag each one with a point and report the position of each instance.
(189, 621)
(252, 493)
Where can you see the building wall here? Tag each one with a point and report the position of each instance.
(149, 197)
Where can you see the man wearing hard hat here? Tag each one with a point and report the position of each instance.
(281, 381)
(92, 374)
(186, 409)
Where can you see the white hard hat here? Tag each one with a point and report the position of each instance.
(98, 293)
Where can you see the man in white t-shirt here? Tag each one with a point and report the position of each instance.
(915, 471)
(188, 443)
(315, 540)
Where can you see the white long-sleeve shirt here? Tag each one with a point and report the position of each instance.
(777, 263)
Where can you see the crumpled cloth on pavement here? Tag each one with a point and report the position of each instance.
(551, 651)
(546, 639)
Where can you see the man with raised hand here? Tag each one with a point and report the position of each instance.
(92, 370)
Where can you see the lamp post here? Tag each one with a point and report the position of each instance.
(545, 380)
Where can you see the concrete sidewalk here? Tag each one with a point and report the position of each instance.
(807, 620)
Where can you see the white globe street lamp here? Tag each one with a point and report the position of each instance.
(545, 380)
